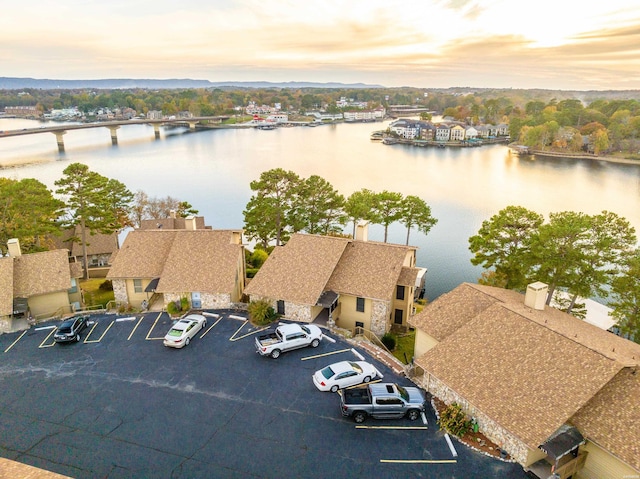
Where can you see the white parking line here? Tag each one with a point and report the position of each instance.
(424, 419)
(130, 318)
(454, 453)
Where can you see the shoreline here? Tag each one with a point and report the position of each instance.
(610, 159)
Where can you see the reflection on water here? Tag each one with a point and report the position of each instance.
(212, 170)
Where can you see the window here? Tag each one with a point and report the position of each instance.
(360, 305)
(400, 292)
(280, 306)
(137, 285)
(74, 286)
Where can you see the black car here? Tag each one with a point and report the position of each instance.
(70, 329)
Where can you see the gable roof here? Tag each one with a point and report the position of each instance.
(308, 265)
(299, 270)
(184, 260)
(369, 269)
(41, 273)
(528, 370)
(97, 243)
(610, 418)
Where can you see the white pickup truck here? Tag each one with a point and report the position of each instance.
(287, 337)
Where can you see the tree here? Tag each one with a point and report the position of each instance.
(388, 209)
(504, 243)
(321, 206)
(275, 202)
(415, 212)
(94, 202)
(559, 248)
(139, 208)
(28, 211)
(359, 206)
(626, 303)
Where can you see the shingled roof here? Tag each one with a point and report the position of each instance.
(369, 269)
(41, 273)
(300, 270)
(530, 371)
(610, 418)
(308, 265)
(97, 243)
(184, 260)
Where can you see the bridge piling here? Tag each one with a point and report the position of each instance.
(60, 140)
(156, 130)
(114, 136)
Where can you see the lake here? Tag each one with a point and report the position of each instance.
(212, 169)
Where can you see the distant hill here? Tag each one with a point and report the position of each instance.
(12, 83)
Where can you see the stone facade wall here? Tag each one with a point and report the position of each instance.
(497, 434)
(120, 290)
(296, 312)
(379, 317)
(215, 300)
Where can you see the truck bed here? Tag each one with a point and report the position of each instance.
(357, 396)
(268, 339)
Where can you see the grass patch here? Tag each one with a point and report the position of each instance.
(93, 295)
(405, 346)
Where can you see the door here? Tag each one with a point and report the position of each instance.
(196, 301)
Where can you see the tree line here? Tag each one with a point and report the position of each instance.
(542, 119)
(579, 254)
(283, 203)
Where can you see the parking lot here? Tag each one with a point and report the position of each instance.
(118, 404)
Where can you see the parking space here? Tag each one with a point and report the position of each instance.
(121, 405)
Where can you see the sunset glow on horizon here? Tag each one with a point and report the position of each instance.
(433, 43)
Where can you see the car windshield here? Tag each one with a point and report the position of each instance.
(175, 332)
(403, 392)
(327, 372)
(356, 367)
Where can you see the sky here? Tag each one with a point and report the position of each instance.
(551, 44)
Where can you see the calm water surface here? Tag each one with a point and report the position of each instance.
(212, 169)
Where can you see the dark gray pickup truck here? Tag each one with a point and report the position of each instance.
(382, 400)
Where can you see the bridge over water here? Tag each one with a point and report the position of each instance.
(113, 126)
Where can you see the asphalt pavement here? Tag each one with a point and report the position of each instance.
(119, 404)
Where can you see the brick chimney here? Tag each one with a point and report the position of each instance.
(536, 295)
(13, 245)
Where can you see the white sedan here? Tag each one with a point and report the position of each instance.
(184, 329)
(344, 374)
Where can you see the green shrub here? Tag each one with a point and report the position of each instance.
(173, 308)
(258, 257)
(389, 341)
(454, 420)
(106, 285)
(261, 312)
(251, 272)
(184, 303)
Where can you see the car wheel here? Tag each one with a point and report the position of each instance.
(334, 388)
(314, 343)
(413, 414)
(204, 324)
(359, 416)
(275, 353)
(186, 342)
(367, 379)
